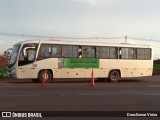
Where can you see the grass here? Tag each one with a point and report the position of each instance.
(156, 69)
(3, 72)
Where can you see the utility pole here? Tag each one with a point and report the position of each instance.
(126, 39)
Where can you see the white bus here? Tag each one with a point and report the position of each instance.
(70, 59)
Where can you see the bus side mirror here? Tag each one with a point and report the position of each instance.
(25, 51)
(31, 54)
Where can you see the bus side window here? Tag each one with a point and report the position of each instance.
(113, 52)
(105, 52)
(147, 54)
(109, 52)
(127, 53)
(143, 53)
(140, 53)
(75, 50)
(96, 52)
(86, 51)
(135, 53)
(90, 52)
(56, 51)
(80, 52)
(70, 51)
(116, 52)
(120, 53)
(45, 51)
(131, 53)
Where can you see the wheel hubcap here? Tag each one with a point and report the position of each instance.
(114, 76)
(45, 76)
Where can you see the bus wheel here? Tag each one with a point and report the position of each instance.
(42, 76)
(114, 76)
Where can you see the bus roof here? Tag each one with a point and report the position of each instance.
(83, 43)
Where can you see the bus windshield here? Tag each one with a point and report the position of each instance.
(14, 55)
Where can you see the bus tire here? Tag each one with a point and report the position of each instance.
(114, 76)
(41, 76)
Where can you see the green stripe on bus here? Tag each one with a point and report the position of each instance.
(81, 62)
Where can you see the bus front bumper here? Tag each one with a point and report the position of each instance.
(11, 74)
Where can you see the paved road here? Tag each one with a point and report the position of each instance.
(132, 82)
(140, 94)
(80, 99)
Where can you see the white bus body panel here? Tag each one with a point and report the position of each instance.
(128, 68)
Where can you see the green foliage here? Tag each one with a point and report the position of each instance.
(3, 72)
(156, 69)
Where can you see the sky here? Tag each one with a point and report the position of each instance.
(81, 19)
